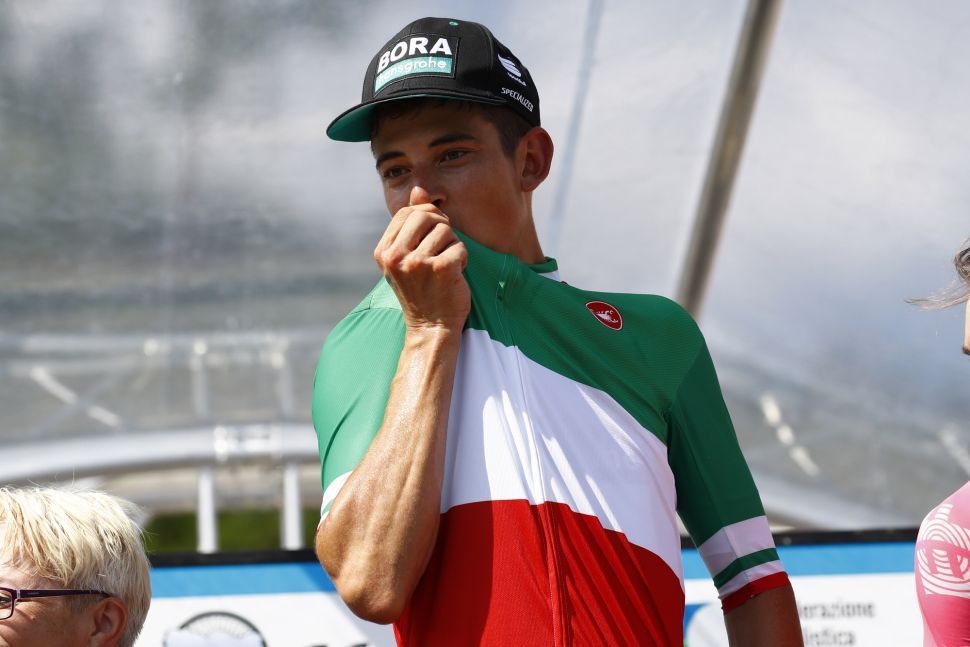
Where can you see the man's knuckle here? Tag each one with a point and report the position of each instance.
(410, 264)
(390, 257)
(440, 266)
(447, 264)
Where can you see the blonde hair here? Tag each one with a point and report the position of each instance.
(958, 291)
(78, 539)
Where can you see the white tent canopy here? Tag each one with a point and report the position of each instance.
(177, 235)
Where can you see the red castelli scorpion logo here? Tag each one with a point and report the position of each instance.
(606, 314)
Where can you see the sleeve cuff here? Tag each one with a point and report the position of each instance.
(745, 593)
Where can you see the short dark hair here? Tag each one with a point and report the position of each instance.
(511, 126)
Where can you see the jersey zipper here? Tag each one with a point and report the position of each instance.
(558, 599)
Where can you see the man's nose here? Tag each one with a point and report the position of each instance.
(424, 192)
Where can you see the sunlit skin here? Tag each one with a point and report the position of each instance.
(452, 158)
(44, 622)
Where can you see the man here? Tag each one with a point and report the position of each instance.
(503, 454)
(73, 572)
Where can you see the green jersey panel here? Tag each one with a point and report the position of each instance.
(353, 380)
(714, 484)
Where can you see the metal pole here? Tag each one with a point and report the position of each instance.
(200, 380)
(750, 57)
(594, 14)
(205, 515)
(292, 519)
(284, 382)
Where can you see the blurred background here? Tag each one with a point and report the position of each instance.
(178, 236)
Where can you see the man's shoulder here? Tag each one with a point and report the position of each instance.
(381, 297)
(649, 310)
(378, 313)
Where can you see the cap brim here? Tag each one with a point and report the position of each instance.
(354, 125)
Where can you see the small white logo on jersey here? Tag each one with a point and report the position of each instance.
(509, 65)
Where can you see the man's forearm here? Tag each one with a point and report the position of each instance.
(766, 620)
(381, 529)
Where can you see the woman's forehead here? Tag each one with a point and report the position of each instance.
(16, 577)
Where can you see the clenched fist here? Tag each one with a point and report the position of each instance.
(422, 260)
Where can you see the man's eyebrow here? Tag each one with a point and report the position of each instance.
(383, 157)
(447, 138)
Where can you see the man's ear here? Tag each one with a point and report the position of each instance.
(535, 153)
(109, 620)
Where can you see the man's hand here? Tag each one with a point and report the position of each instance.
(422, 260)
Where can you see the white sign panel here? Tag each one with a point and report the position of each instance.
(858, 594)
(253, 605)
(847, 594)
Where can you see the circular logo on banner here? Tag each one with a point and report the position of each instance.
(215, 628)
(606, 314)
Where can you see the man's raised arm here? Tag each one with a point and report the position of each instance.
(381, 529)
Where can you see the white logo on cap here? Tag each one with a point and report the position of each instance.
(518, 97)
(509, 65)
(512, 71)
(412, 47)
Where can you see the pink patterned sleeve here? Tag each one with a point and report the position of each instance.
(943, 571)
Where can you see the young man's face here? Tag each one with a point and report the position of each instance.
(452, 156)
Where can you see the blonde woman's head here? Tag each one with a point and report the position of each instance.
(59, 539)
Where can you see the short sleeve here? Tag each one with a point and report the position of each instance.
(350, 391)
(716, 495)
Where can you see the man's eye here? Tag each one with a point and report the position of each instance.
(451, 156)
(393, 172)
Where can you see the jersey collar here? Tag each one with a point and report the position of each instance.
(499, 264)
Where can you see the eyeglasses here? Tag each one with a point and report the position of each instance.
(9, 597)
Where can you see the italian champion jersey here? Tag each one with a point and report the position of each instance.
(581, 423)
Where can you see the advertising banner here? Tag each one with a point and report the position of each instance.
(847, 594)
(286, 604)
(858, 593)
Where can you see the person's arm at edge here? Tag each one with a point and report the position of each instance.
(769, 619)
(379, 533)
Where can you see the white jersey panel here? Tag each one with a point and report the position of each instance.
(736, 540)
(748, 576)
(518, 430)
